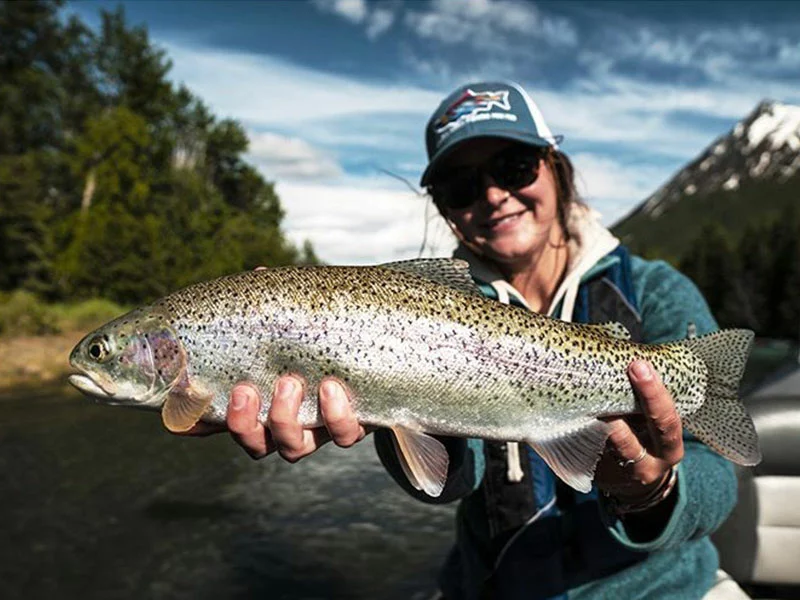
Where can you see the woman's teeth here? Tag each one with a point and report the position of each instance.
(503, 220)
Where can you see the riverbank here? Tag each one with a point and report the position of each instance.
(33, 361)
(36, 337)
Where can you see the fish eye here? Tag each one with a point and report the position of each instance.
(98, 349)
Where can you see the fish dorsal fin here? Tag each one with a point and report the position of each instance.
(573, 453)
(184, 406)
(424, 459)
(450, 272)
(612, 329)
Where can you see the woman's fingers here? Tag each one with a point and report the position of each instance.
(626, 466)
(292, 440)
(338, 415)
(658, 407)
(627, 446)
(284, 432)
(243, 422)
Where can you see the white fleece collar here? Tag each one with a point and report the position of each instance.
(589, 242)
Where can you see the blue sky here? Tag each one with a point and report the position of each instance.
(333, 91)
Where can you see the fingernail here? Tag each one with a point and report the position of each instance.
(286, 388)
(333, 391)
(238, 400)
(641, 371)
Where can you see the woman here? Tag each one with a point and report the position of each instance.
(497, 176)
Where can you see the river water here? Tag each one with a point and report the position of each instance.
(101, 502)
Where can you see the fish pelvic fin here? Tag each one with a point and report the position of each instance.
(722, 422)
(573, 452)
(424, 459)
(184, 406)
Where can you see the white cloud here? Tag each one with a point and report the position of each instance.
(609, 186)
(377, 21)
(615, 109)
(485, 23)
(268, 92)
(282, 157)
(354, 11)
(352, 225)
(380, 20)
(726, 55)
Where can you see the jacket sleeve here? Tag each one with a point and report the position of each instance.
(464, 472)
(706, 490)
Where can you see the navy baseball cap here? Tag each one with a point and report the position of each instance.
(487, 109)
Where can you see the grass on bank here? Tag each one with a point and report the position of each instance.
(23, 313)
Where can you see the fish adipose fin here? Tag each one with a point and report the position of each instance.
(450, 272)
(184, 406)
(573, 454)
(424, 459)
(722, 423)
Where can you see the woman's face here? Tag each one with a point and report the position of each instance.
(508, 226)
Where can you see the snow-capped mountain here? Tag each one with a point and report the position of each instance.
(765, 145)
(744, 177)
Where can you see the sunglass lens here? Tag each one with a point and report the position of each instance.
(515, 171)
(460, 189)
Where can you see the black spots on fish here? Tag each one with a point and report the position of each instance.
(530, 354)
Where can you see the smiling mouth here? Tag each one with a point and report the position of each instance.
(493, 223)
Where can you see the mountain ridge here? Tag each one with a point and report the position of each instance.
(755, 165)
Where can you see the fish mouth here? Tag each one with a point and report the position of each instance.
(88, 386)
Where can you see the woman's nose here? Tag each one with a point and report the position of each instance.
(493, 193)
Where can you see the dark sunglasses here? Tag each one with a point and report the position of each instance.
(511, 169)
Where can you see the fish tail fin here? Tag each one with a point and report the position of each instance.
(721, 422)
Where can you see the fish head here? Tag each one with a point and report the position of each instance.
(134, 360)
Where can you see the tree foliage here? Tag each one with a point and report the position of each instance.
(752, 280)
(114, 181)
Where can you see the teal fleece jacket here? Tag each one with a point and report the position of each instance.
(679, 560)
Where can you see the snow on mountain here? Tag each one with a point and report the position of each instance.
(765, 145)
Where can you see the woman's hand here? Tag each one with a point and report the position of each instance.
(642, 449)
(284, 433)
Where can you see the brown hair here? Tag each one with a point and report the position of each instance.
(563, 172)
(566, 191)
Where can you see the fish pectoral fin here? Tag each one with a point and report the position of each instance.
(574, 452)
(424, 459)
(184, 406)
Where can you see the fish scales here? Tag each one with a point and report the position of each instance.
(391, 338)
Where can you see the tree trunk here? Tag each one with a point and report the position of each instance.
(88, 192)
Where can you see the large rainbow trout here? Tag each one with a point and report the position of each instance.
(422, 351)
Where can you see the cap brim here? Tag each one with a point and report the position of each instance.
(462, 136)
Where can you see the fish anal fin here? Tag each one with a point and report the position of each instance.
(573, 453)
(184, 406)
(612, 329)
(451, 272)
(423, 458)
